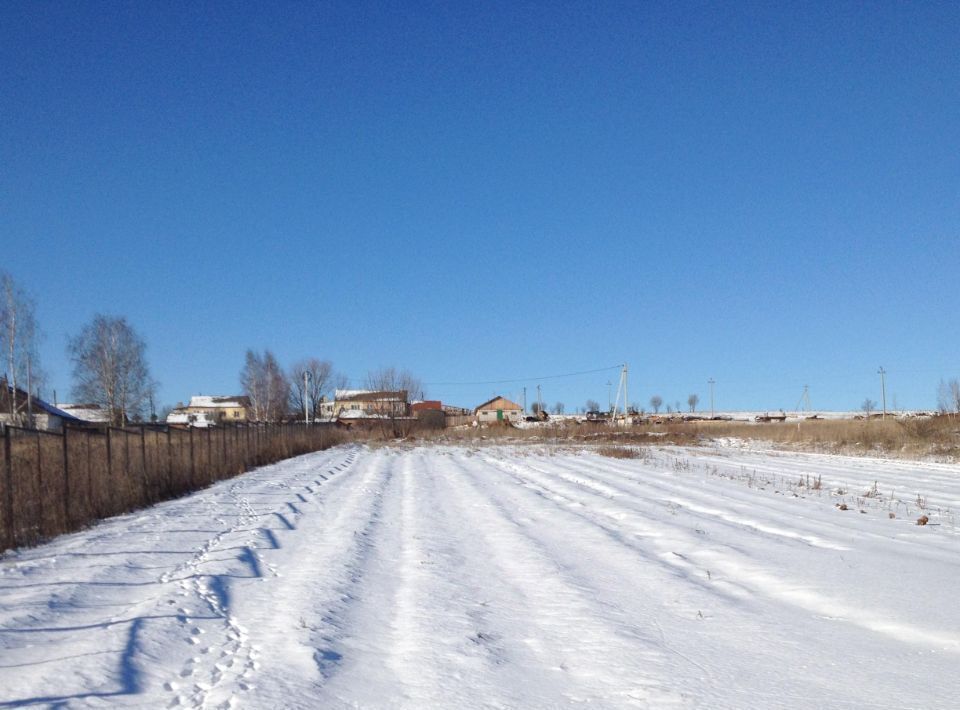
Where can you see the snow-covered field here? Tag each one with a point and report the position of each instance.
(517, 577)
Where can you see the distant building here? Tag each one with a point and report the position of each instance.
(208, 410)
(426, 406)
(45, 416)
(499, 410)
(89, 413)
(360, 404)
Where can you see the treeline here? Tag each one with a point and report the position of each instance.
(110, 370)
(108, 357)
(276, 394)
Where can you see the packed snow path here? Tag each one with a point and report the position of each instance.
(504, 577)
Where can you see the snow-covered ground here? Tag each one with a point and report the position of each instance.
(505, 577)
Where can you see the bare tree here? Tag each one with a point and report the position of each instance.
(656, 401)
(558, 408)
(110, 368)
(396, 389)
(265, 383)
(318, 375)
(693, 400)
(19, 338)
(868, 406)
(948, 396)
(943, 397)
(593, 405)
(164, 412)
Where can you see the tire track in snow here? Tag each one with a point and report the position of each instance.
(611, 479)
(301, 621)
(225, 661)
(450, 647)
(744, 572)
(646, 534)
(597, 661)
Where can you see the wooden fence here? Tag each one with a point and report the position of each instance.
(53, 483)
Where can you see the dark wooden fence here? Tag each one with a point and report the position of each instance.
(53, 483)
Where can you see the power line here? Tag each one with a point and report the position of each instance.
(524, 379)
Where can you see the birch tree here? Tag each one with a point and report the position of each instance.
(19, 338)
(110, 368)
(265, 383)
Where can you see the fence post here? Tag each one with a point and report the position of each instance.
(91, 503)
(8, 503)
(40, 488)
(128, 474)
(147, 498)
(209, 475)
(169, 463)
(110, 483)
(193, 464)
(66, 482)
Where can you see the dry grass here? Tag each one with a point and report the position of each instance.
(619, 452)
(560, 433)
(911, 438)
(937, 436)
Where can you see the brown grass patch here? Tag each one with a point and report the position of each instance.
(919, 436)
(618, 452)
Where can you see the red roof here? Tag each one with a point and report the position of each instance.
(427, 404)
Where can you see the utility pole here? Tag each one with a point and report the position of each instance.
(539, 401)
(609, 401)
(625, 398)
(883, 389)
(622, 385)
(524, 399)
(306, 395)
(711, 382)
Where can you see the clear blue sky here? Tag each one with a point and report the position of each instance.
(763, 193)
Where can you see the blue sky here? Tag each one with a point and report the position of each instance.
(763, 193)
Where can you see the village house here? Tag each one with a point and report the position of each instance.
(499, 410)
(88, 413)
(354, 404)
(44, 416)
(206, 410)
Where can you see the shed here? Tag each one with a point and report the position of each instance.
(499, 410)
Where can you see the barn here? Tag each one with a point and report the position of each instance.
(499, 410)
